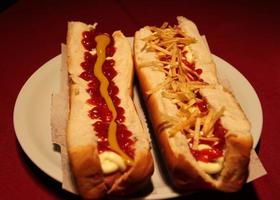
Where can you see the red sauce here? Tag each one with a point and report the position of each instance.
(202, 106)
(189, 65)
(199, 71)
(100, 111)
(201, 103)
(88, 40)
(207, 155)
(194, 74)
(166, 58)
(216, 151)
(127, 145)
(220, 132)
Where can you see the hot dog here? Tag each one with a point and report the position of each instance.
(202, 132)
(108, 148)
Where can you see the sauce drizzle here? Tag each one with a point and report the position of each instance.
(99, 72)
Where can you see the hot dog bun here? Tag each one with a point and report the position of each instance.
(179, 83)
(82, 138)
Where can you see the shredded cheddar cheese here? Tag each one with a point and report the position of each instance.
(181, 86)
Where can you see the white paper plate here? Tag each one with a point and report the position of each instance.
(32, 117)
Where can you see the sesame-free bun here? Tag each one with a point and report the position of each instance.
(184, 170)
(81, 139)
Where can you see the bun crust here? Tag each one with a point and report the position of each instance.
(86, 168)
(85, 163)
(185, 173)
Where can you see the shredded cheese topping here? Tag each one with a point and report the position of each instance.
(182, 84)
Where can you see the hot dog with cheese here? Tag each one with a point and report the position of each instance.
(203, 134)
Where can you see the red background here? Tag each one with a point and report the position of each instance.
(244, 33)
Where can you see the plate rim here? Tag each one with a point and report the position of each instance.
(16, 113)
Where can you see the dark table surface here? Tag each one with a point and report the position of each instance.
(244, 33)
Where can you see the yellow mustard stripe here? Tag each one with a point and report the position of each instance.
(102, 42)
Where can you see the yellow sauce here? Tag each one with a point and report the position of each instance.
(102, 42)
